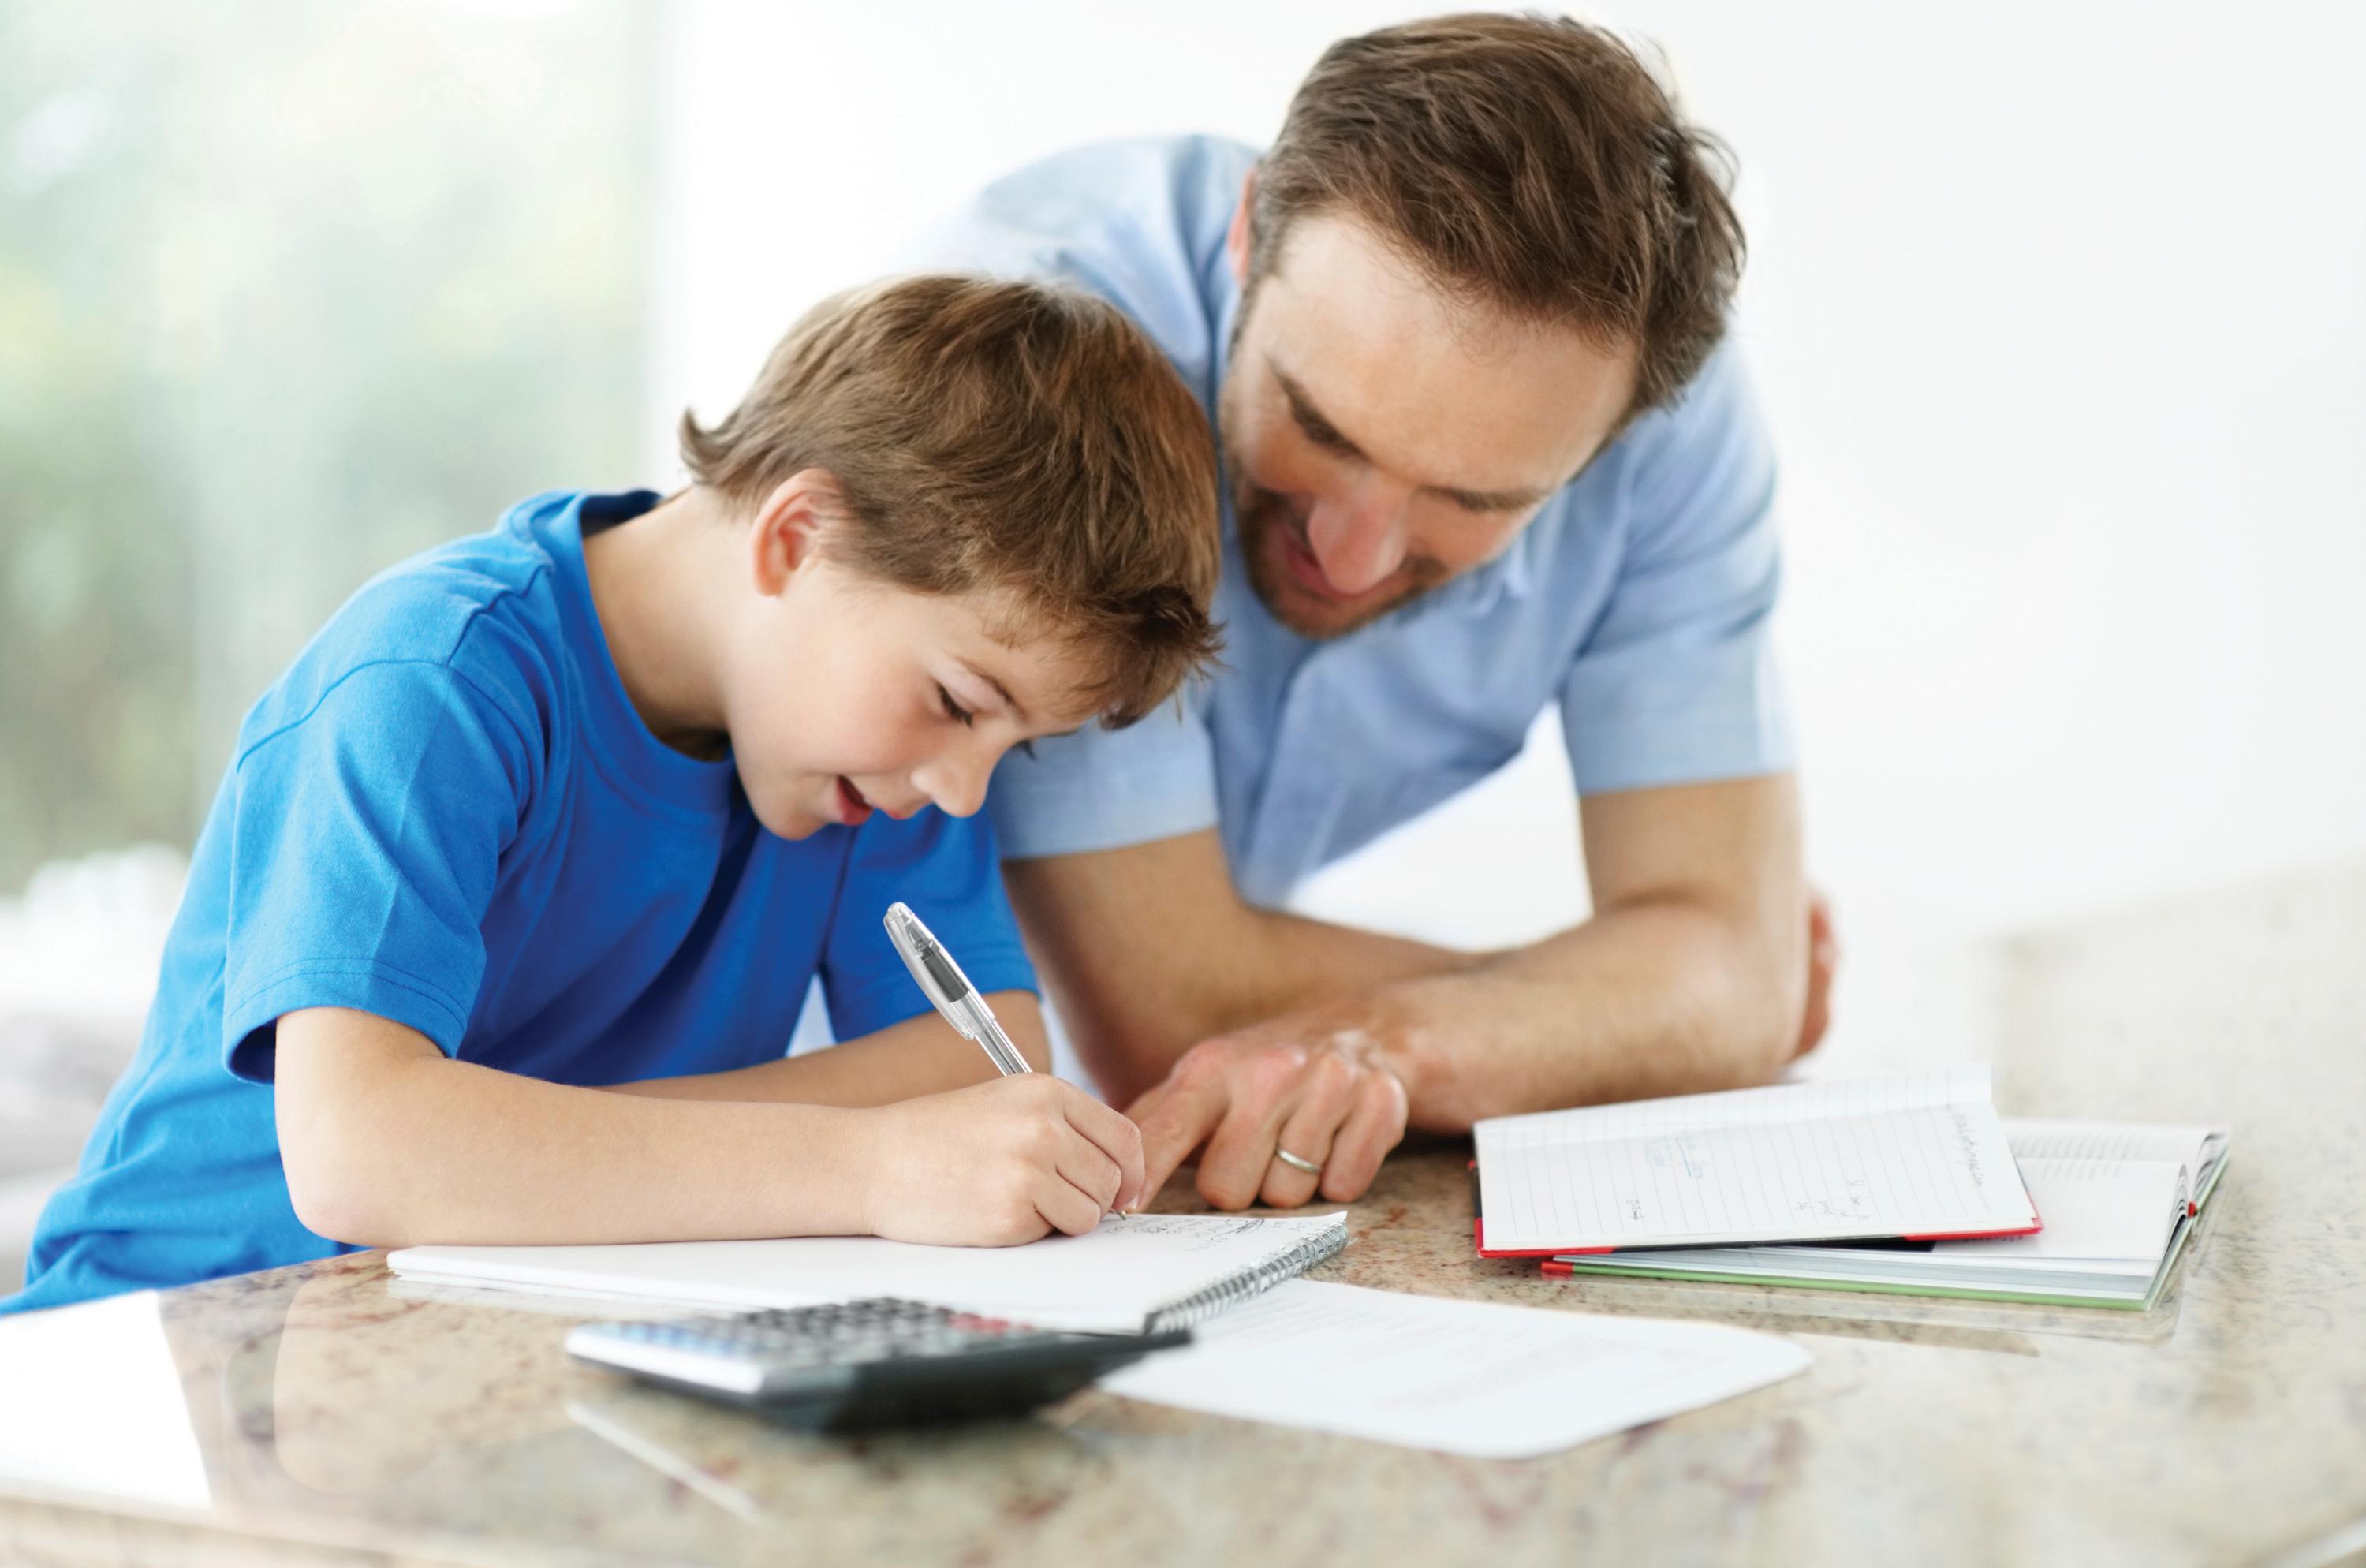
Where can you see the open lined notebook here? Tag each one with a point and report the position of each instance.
(1918, 1154)
(2119, 1202)
(1130, 1274)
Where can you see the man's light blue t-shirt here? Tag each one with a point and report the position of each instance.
(1638, 600)
(447, 813)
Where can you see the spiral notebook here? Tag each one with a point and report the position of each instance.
(1130, 1274)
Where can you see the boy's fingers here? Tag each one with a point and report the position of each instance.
(1111, 1132)
(1066, 1209)
(1086, 1167)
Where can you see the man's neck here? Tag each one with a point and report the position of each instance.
(656, 582)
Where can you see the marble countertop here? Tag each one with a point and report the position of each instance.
(313, 1415)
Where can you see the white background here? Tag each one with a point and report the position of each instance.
(2060, 317)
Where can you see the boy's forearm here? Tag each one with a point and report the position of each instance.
(406, 1148)
(919, 1056)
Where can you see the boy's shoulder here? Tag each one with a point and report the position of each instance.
(480, 615)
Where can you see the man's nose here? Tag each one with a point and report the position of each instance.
(1359, 539)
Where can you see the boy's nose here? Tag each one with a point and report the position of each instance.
(956, 783)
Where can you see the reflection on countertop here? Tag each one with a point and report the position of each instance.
(316, 1406)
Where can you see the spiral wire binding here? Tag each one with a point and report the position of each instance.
(1201, 1305)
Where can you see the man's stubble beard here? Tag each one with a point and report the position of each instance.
(1264, 518)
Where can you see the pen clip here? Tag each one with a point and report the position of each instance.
(933, 969)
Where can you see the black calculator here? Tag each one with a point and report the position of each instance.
(861, 1364)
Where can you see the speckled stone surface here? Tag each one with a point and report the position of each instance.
(339, 1421)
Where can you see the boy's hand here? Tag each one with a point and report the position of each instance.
(998, 1163)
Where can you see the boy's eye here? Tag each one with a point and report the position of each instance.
(953, 710)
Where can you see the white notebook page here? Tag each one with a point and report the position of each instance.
(1111, 1279)
(1903, 1153)
(2048, 1139)
(2095, 1210)
(2111, 1192)
(1472, 1378)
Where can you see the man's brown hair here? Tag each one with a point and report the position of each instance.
(1529, 163)
(991, 434)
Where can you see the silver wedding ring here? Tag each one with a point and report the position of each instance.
(1295, 1163)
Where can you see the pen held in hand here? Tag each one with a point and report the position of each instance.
(941, 980)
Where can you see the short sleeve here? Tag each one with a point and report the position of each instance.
(946, 869)
(1677, 683)
(366, 835)
(1104, 789)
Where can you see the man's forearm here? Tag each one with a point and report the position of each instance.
(1306, 962)
(1663, 998)
(1148, 952)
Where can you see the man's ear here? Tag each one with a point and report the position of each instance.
(1240, 240)
(790, 523)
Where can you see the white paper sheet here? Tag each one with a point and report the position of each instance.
(1473, 1378)
(1900, 1154)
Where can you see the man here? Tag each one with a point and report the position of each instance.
(1459, 330)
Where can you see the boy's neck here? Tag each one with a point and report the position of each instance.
(654, 582)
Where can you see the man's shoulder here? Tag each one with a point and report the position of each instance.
(1106, 187)
(1139, 222)
(1716, 411)
(1705, 452)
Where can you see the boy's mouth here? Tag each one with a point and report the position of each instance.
(853, 809)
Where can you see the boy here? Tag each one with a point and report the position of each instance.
(504, 913)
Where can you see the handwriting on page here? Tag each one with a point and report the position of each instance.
(2103, 1140)
(1907, 1170)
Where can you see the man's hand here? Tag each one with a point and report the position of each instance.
(1823, 960)
(1313, 1083)
(1319, 1084)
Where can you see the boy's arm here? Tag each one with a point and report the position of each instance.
(386, 1143)
(919, 1056)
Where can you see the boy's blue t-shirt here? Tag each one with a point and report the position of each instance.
(448, 813)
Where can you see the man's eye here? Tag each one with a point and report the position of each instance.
(1323, 435)
(953, 710)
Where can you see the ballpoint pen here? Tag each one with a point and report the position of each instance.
(942, 980)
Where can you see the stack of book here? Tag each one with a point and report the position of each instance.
(1906, 1183)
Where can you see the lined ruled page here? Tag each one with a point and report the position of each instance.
(2097, 1211)
(2108, 1140)
(1904, 1154)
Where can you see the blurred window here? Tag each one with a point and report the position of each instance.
(288, 291)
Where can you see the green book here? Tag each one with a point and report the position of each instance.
(2118, 1200)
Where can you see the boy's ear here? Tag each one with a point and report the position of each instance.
(787, 531)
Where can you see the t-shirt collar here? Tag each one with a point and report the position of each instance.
(622, 737)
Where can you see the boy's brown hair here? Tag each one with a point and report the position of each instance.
(1529, 163)
(994, 435)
